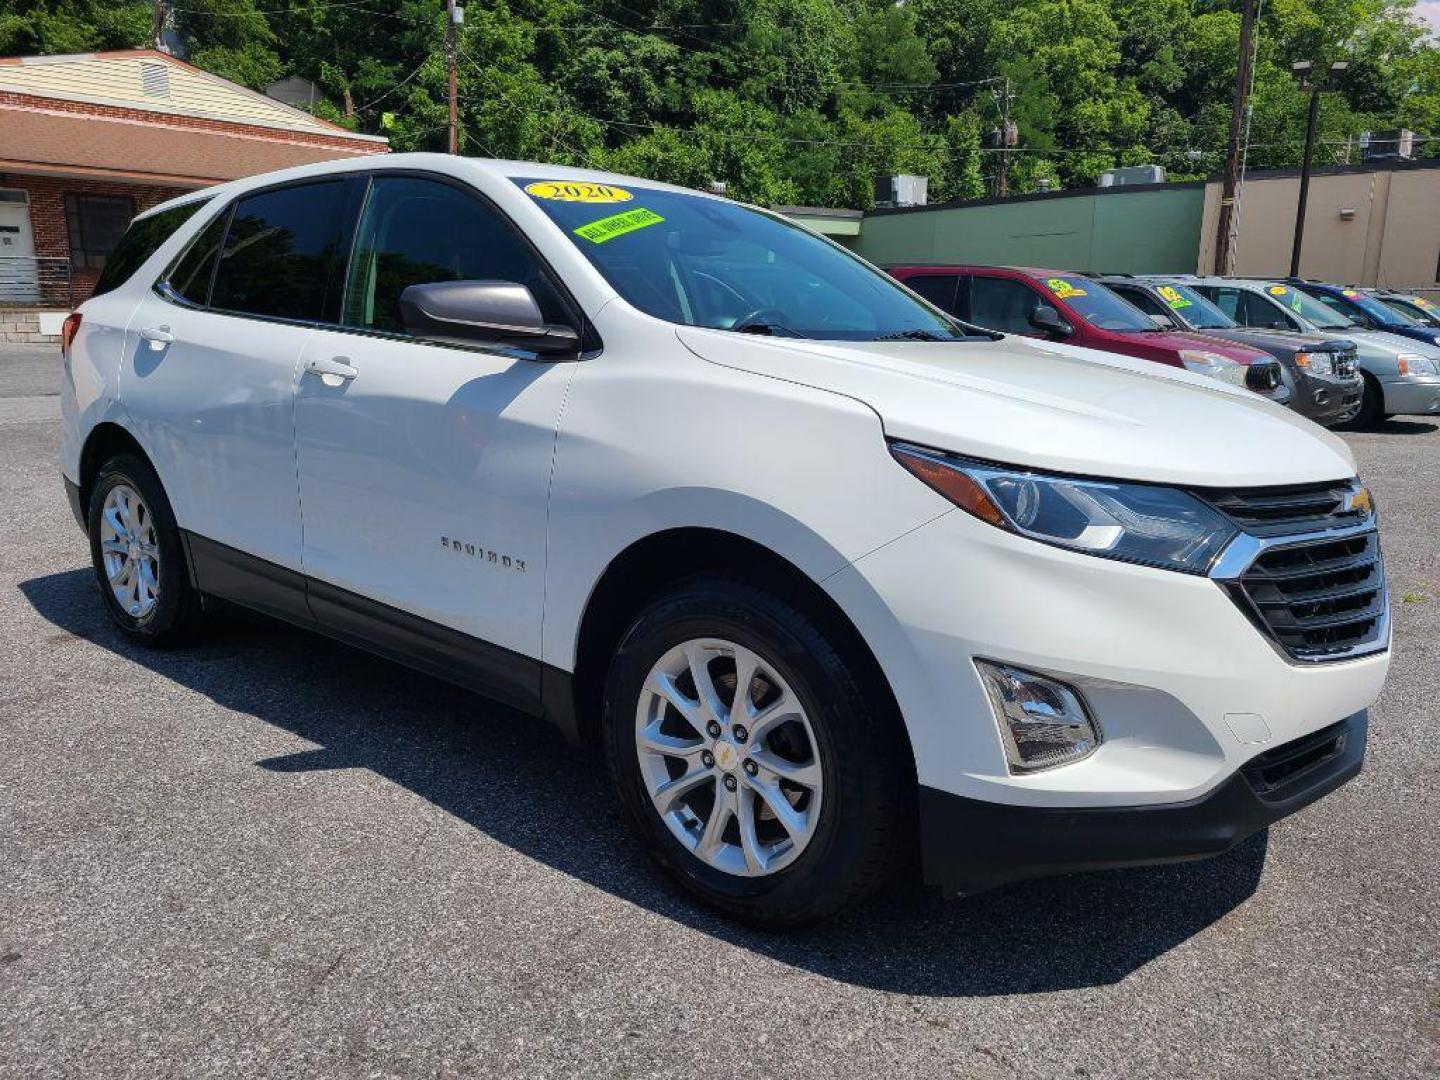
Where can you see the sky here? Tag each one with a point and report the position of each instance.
(1429, 10)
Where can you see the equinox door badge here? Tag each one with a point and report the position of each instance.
(482, 554)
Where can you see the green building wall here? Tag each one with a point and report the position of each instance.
(1151, 229)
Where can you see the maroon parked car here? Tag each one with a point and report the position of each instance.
(1078, 310)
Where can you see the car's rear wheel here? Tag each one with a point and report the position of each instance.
(750, 756)
(138, 555)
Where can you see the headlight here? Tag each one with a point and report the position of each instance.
(1414, 364)
(1138, 523)
(1316, 363)
(1214, 365)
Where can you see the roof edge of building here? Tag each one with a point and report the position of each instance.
(112, 54)
(97, 107)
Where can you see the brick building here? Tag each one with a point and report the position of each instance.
(88, 141)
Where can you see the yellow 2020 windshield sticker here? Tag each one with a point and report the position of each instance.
(1064, 289)
(627, 221)
(578, 191)
(1173, 297)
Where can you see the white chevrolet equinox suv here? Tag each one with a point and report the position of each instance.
(829, 576)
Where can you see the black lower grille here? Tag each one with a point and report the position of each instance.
(1276, 772)
(1320, 598)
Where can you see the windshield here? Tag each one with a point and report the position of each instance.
(707, 262)
(1308, 308)
(1376, 310)
(1192, 309)
(1098, 306)
(1422, 311)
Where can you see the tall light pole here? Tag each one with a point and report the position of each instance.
(1302, 70)
(1232, 150)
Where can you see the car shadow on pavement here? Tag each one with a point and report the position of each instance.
(1402, 426)
(518, 781)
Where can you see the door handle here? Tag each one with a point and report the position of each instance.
(157, 336)
(333, 372)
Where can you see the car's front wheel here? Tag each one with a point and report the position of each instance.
(1372, 406)
(751, 757)
(138, 555)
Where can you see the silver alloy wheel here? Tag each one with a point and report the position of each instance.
(129, 549)
(729, 758)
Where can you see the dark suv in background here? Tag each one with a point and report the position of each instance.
(1324, 381)
(1368, 312)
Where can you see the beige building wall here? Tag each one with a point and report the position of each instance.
(1378, 227)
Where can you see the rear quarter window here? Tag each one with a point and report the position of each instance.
(142, 239)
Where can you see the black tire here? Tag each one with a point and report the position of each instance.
(1372, 407)
(865, 826)
(177, 615)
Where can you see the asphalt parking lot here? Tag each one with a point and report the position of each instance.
(270, 855)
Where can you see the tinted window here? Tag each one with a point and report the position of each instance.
(1003, 304)
(140, 241)
(280, 250)
(702, 261)
(1307, 308)
(1143, 300)
(415, 231)
(190, 277)
(939, 289)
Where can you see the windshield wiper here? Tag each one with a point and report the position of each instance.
(769, 328)
(909, 335)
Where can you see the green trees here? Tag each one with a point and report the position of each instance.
(804, 101)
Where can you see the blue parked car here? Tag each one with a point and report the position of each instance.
(1368, 311)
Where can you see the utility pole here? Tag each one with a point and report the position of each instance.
(1232, 151)
(453, 15)
(157, 26)
(1302, 69)
(1004, 99)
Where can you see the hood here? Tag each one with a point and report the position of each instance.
(1050, 406)
(1203, 339)
(1277, 339)
(1388, 344)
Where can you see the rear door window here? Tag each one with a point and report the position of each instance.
(281, 250)
(1003, 304)
(141, 240)
(939, 289)
(190, 276)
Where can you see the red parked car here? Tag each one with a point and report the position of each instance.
(1075, 309)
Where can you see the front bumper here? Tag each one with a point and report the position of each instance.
(1412, 395)
(970, 845)
(1324, 399)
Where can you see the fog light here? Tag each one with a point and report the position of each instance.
(1043, 721)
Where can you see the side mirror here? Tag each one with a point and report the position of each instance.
(495, 312)
(1048, 321)
(1163, 322)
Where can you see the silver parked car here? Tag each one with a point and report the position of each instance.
(1401, 376)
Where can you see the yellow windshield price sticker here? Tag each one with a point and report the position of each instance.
(1420, 301)
(578, 191)
(1063, 289)
(1351, 293)
(1172, 297)
(1277, 290)
(608, 228)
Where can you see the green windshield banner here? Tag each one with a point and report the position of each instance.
(607, 228)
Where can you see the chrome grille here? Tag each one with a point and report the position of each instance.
(1307, 570)
(1283, 511)
(1345, 363)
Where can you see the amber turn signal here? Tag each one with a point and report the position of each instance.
(954, 485)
